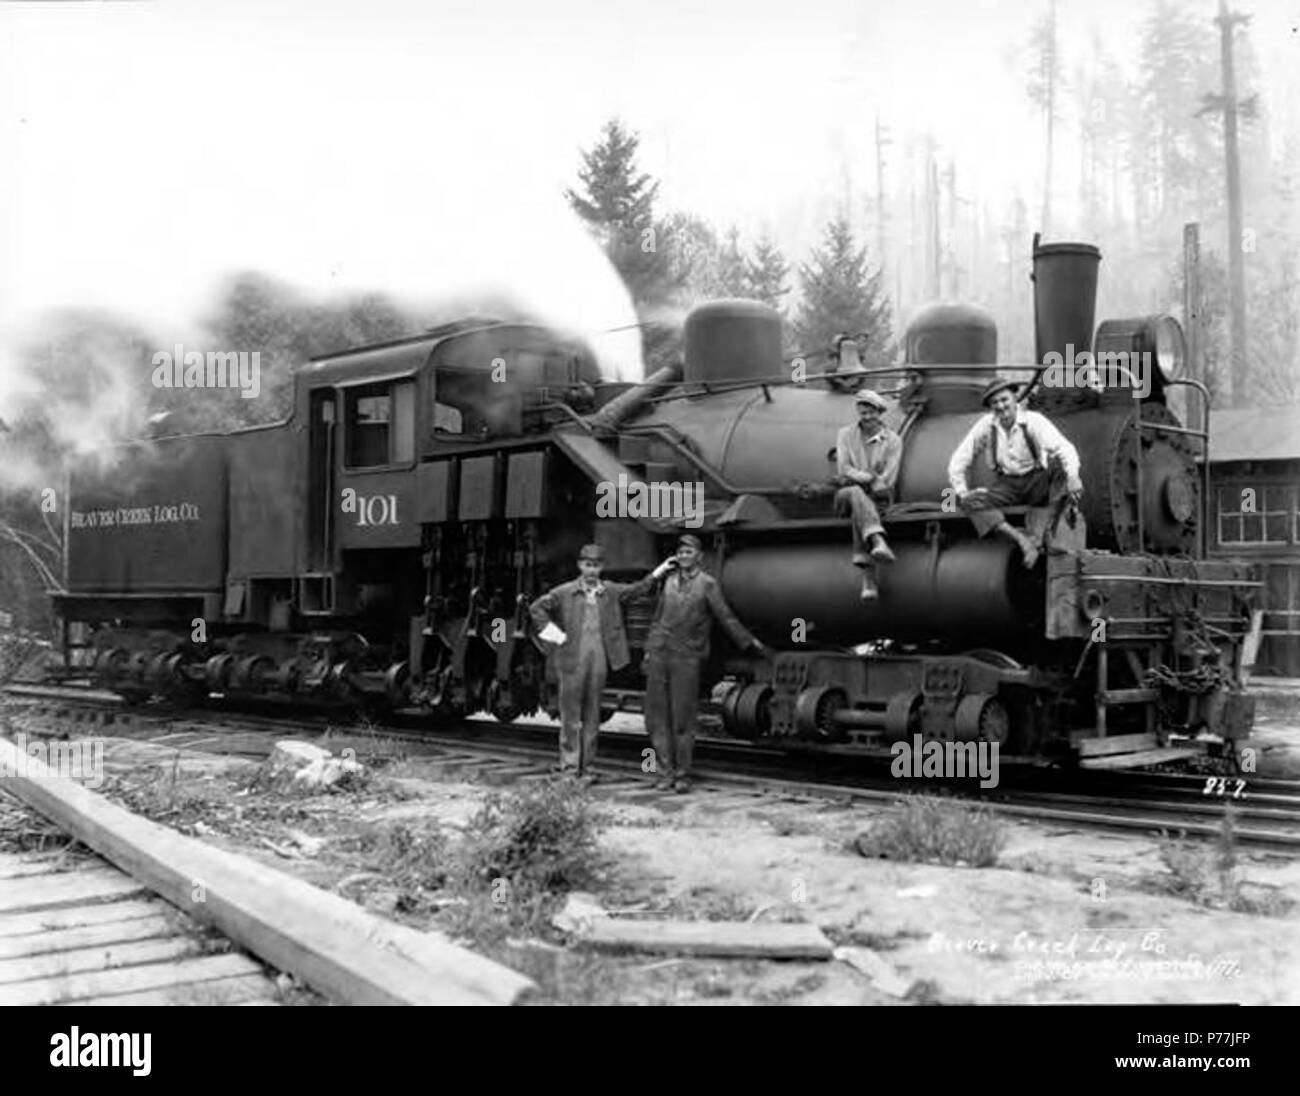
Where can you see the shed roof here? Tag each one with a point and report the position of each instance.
(1258, 433)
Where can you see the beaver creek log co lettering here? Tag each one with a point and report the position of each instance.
(158, 514)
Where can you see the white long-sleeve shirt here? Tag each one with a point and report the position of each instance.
(1013, 454)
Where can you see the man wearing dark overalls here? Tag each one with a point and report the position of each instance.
(584, 619)
(690, 601)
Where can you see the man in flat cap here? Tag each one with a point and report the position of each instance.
(867, 455)
(690, 602)
(584, 619)
(1034, 464)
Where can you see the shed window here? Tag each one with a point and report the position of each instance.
(1258, 514)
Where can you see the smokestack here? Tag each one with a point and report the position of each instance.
(1065, 297)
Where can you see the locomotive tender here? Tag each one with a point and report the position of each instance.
(382, 544)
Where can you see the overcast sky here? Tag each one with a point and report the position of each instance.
(417, 147)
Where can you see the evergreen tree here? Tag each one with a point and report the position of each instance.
(842, 295)
(693, 251)
(617, 201)
(732, 280)
(767, 274)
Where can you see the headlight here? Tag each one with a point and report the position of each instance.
(1159, 337)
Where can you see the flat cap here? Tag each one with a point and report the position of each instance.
(865, 395)
(593, 552)
(690, 540)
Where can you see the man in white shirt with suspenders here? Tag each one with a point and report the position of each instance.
(1034, 463)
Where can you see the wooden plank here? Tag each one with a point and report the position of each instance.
(247, 989)
(103, 983)
(27, 869)
(65, 890)
(1250, 644)
(1141, 758)
(331, 944)
(25, 924)
(104, 957)
(112, 932)
(1115, 743)
(720, 938)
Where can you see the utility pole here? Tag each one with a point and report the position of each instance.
(1192, 298)
(1192, 317)
(1232, 108)
(932, 218)
(1049, 63)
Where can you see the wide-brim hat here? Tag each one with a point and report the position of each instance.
(865, 395)
(593, 552)
(999, 385)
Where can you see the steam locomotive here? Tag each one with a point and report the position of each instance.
(382, 544)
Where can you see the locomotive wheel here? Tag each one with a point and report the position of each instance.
(746, 711)
(903, 715)
(981, 717)
(753, 707)
(813, 711)
(397, 684)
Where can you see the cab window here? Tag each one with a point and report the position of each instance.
(379, 424)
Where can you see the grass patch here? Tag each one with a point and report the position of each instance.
(929, 830)
(542, 836)
(1210, 875)
(521, 852)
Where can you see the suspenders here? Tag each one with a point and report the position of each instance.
(1029, 440)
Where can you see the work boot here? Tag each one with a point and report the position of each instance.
(1028, 549)
(663, 782)
(682, 784)
(880, 551)
(869, 591)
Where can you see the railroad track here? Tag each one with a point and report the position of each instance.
(1265, 812)
(75, 929)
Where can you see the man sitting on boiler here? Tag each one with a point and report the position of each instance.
(867, 454)
(1033, 462)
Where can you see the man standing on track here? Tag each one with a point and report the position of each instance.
(584, 619)
(690, 601)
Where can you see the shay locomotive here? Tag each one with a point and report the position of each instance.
(382, 544)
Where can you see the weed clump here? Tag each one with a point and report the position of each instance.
(413, 855)
(1210, 876)
(540, 837)
(926, 829)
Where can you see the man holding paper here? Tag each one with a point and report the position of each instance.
(584, 620)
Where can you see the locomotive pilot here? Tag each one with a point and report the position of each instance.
(676, 647)
(584, 619)
(1034, 465)
(867, 455)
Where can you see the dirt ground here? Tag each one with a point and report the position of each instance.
(1064, 915)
